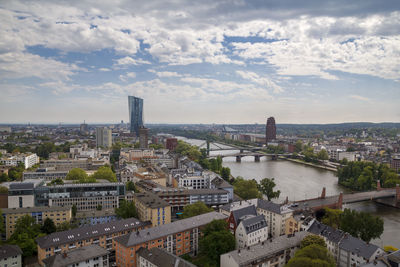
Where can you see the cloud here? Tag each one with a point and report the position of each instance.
(163, 74)
(104, 69)
(263, 81)
(361, 98)
(127, 76)
(125, 61)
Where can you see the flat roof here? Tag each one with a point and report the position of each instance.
(33, 209)
(150, 200)
(145, 235)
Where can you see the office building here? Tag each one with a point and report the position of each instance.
(68, 164)
(84, 196)
(84, 129)
(157, 257)
(21, 194)
(10, 256)
(100, 234)
(103, 137)
(152, 208)
(270, 133)
(135, 114)
(45, 175)
(59, 215)
(179, 238)
(143, 138)
(88, 256)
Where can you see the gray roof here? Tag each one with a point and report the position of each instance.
(240, 213)
(244, 257)
(357, 246)
(89, 231)
(254, 223)
(191, 192)
(21, 186)
(75, 256)
(269, 205)
(163, 258)
(151, 200)
(333, 235)
(7, 251)
(145, 235)
(34, 209)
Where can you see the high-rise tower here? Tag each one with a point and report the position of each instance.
(135, 113)
(270, 133)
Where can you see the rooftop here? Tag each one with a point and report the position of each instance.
(160, 257)
(254, 223)
(240, 213)
(34, 209)
(357, 246)
(89, 231)
(145, 235)
(75, 256)
(7, 251)
(150, 200)
(265, 249)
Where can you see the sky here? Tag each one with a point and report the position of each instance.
(209, 61)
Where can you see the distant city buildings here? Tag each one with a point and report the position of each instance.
(28, 159)
(270, 133)
(143, 138)
(84, 128)
(103, 137)
(135, 114)
(171, 143)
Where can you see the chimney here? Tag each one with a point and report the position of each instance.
(323, 193)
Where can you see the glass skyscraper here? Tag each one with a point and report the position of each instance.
(135, 113)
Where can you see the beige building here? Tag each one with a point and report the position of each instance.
(103, 137)
(57, 214)
(152, 208)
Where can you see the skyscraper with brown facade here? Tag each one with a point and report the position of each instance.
(270, 133)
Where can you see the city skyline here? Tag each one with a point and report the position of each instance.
(225, 62)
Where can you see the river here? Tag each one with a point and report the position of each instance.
(298, 181)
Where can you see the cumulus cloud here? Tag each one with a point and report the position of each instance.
(263, 81)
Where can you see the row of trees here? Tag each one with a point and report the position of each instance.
(363, 176)
(359, 224)
(248, 189)
(103, 173)
(14, 173)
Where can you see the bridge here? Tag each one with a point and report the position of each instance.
(337, 202)
(257, 155)
(217, 147)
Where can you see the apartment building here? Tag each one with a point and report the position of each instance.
(45, 175)
(100, 234)
(157, 257)
(276, 252)
(28, 159)
(86, 197)
(10, 255)
(88, 256)
(152, 208)
(94, 217)
(57, 214)
(193, 182)
(251, 231)
(179, 237)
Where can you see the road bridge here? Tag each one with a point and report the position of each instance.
(257, 155)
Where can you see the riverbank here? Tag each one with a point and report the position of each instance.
(310, 164)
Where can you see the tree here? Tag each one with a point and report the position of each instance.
(331, 217)
(323, 155)
(3, 190)
(127, 209)
(361, 224)
(298, 147)
(156, 146)
(105, 173)
(312, 255)
(130, 186)
(76, 174)
(57, 181)
(74, 210)
(48, 226)
(99, 207)
(3, 177)
(65, 226)
(266, 187)
(312, 239)
(246, 189)
(225, 173)
(26, 231)
(195, 209)
(216, 241)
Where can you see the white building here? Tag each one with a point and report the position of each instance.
(251, 231)
(193, 182)
(28, 160)
(10, 255)
(103, 137)
(350, 156)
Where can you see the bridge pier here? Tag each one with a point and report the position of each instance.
(257, 158)
(323, 194)
(238, 159)
(340, 201)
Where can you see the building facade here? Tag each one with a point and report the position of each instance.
(135, 113)
(270, 132)
(103, 137)
(157, 257)
(10, 256)
(152, 208)
(251, 231)
(28, 160)
(144, 138)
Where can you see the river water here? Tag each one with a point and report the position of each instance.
(298, 181)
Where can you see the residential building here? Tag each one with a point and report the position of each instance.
(349, 156)
(103, 137)
(179, 237)
(276, 252)
(143, 138)
(44, 174)
(270, 132)
(100, 234)
(94, 217)
(57, 214)
(237, 215)
(10, 256)
(135, 113)
(68, 164)
(28, 159)
(152, 208)
(395, 163)
(85, 196)
(137, 154)
(251, 231)
(219, 183)
(88, 256)
(127, 173)
(193, 182)
(157, 257)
